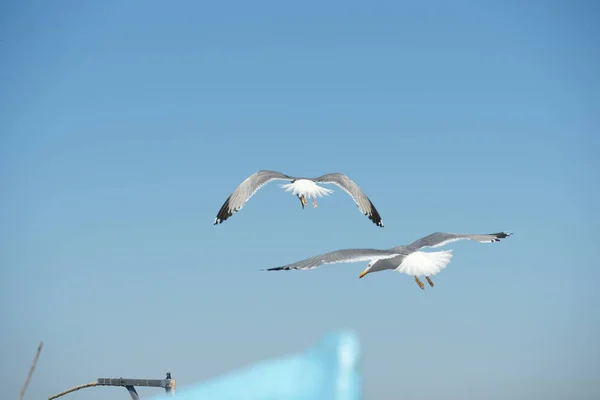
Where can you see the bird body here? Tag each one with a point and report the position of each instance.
(406, 259)
(419, 263)
(306, 188)
(301, 187)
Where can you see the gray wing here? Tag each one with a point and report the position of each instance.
(439, 239)
(246, 190)
(349, 186)
(339, 256)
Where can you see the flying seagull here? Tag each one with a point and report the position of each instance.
(406, 259)
(303, 188)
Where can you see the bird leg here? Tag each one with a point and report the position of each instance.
(314, 202)
(421, 284)
(302, 200)
(429, 281)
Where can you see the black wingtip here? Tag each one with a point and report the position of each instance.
(223, 213)
(375, 217)
(274, 269)
(500, 235)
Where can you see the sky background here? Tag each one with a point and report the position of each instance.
(125, 126)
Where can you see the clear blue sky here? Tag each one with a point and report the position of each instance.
(125, 125)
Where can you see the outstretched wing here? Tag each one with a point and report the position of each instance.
(339, 256)
(246, 190)
(349, 186)
(439, 239)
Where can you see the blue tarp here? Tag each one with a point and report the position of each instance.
(327, 371)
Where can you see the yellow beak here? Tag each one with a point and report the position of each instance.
(366, 271)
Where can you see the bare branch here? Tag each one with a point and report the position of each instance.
(87, 385)
(35, 360)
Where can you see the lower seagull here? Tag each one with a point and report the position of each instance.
(406, 259)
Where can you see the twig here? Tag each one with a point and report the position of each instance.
(87, 385)
(35, 360)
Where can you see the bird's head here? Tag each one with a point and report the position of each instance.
(379, 265)
(368, 269)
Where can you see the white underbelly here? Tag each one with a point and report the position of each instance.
(306, 188)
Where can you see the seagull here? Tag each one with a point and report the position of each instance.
(406, 259)
(303, 188)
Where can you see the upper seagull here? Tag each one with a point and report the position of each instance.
(303, 188)
(406, 259)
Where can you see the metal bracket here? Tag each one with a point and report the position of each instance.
(132, 392)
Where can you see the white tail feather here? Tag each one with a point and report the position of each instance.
(421, 263)
(307, 188)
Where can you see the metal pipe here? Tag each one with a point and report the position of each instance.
(168, 384)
